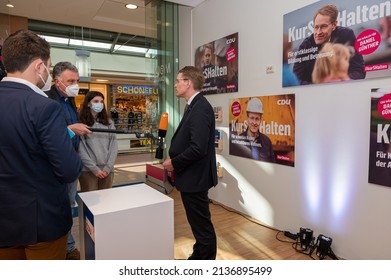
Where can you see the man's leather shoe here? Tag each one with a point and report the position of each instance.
(73, 255)
(193, 257)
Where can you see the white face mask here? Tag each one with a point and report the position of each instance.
(48, 82)
(97, 107)
(72, 90)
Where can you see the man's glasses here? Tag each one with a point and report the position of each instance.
(321, 27)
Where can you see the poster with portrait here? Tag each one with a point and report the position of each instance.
(263, 128)
(380, 137)
(347, 40)
(218, 60)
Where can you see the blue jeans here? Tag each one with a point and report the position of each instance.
(72, 189)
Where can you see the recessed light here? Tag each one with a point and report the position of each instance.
(9, 5)
(131, 6)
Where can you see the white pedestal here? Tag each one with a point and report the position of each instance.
(134, 222)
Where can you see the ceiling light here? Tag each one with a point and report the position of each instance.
(101, 80)
(9, 5)
(131, 6)
(83, 64)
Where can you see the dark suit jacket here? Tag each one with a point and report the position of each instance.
(192, 149)
(342, 35)
(52, 93)
(36, 160)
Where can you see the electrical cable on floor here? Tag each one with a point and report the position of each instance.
(283, 240)
(296, 241)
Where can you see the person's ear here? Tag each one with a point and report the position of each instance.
(334, 25)
(39, 66)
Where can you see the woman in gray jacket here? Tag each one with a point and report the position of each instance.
(98, 151)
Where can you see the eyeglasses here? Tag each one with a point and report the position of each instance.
(321, 27)
(177, 80)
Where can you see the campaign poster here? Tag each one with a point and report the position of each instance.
(380, 137)
(354, 46)
(218, 60)
(262, 128)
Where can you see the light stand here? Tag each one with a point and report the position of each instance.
(306, 237)
(323, 246)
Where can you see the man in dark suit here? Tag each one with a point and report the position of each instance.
(64, 90)
(37, 158)
(326, 30)
(192, 157)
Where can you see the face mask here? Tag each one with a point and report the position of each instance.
(97, 107)
(48, 82)
(72, 90)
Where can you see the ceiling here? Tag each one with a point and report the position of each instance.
(99, 20)
(110, 15)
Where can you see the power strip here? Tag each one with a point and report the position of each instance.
(290, 235)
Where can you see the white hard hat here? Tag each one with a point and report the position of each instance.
(255, 106)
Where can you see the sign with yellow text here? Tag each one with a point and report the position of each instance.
(263, 128)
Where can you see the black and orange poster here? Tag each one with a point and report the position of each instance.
(263, 128)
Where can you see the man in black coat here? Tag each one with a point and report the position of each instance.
(326, 30)
(192, 157)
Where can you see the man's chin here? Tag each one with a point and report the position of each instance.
(320, 42)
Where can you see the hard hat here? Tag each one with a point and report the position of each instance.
(255, 106)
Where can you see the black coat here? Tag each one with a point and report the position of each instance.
(192, 149)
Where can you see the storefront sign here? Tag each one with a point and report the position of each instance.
(134, 89)
(139, 143)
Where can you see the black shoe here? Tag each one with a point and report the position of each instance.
(73, 255)
(193, 257)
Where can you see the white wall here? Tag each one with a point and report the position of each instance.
(328, 189)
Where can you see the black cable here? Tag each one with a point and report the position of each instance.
(332, 255)
(301, 250)
(283, 240)
(308, 251)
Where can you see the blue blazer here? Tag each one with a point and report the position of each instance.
(37, 159)
(192, 149)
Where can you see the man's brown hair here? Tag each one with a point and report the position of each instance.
(23, 47)
(195, 75)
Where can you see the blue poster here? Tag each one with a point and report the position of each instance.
(337, 42)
